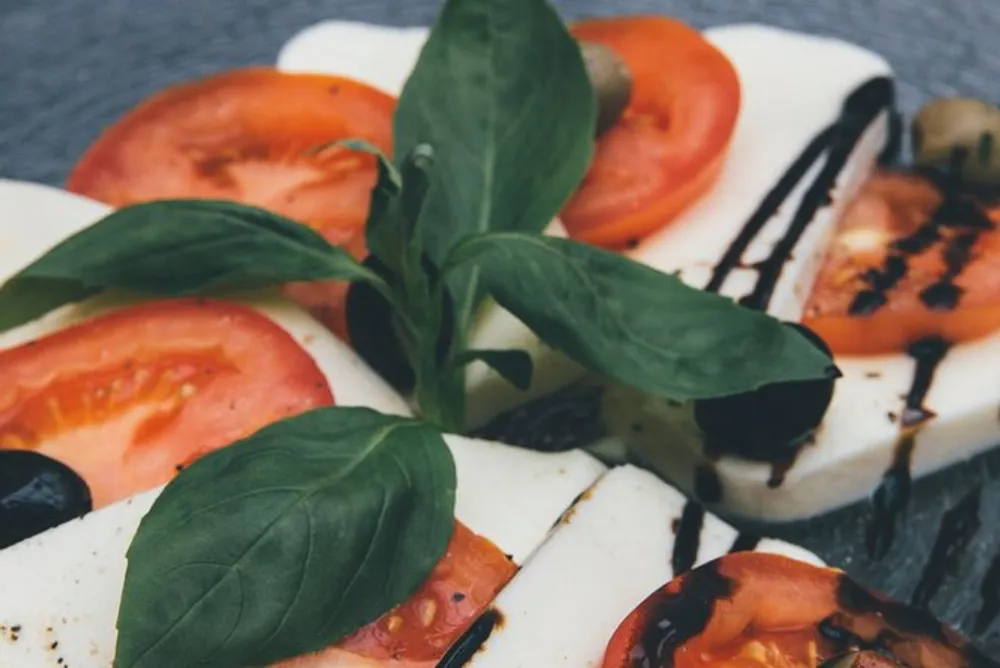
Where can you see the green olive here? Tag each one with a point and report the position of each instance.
(961, 134)
(611, 81)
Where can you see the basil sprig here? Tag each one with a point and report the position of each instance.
(285, 542)
(501, 93)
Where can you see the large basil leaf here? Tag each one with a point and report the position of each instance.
(634, 324)
(287, 541)
(501, 93)
(175, 247)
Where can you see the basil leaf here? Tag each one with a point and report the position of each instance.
(636, 325)
(514, 366)
(501, 93)
(176, 247)
(287, 541)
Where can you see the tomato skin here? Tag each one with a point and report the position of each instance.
(893, 205)
(128, 398)
(420, 631)
(759, 610)
(249, 135)
(668, 147)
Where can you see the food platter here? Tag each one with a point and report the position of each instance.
(944, 555)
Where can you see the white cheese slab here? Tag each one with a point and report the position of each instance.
(611, 552)
(62, 587)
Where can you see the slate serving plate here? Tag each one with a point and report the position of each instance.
(70, 67)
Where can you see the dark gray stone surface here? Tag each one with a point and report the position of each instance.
(70, 67)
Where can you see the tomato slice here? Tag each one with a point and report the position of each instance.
(883, 239)
(667, 148)
(757, 610)
(249, 136)
(130, 397)
(418, 633)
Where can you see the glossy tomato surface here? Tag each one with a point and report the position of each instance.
(758, 610)
(910, 260)
(420, 631)
(667, 148)
(130, 397)
(252, 136)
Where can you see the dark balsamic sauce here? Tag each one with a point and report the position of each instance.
(989, 591)
(860, 110)
(745, 542)
(687, 528)
(707, 485)
(473, 640)
(564, 420)
(687, 538)
(834, 146)
(679, 617)
(893, 493)
(958, 527)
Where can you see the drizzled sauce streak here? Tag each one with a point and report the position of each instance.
(958, 527)
(679, 617)
(687, 529)
(893, 493)
(989, 590)
(959, 213)
(473, 640)
(687, 538)
(833, 146)
(745, 542)
(860, 110)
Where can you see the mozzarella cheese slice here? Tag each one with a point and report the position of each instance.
(61, 588)
(612, 549)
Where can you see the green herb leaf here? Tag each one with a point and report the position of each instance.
(514, 366)
(634, 324)
(501, 93)
(175, 247)
(285, 542)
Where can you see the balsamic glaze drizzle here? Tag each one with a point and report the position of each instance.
(687, 538)
(745, 542)
(833, 146)
(859, 111)
(472, 641)
(893, 493)
(958, 527)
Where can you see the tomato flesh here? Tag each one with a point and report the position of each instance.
(891, 207)
(758, 610)
(250, 136)
(667, 148)
(131, 397)
(420, 631)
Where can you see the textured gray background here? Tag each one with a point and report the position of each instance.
(70, 67)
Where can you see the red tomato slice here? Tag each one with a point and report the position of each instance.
(249, 136)
(418, 633)
(128, 398)
(667, 148)
(757, 610)
(890, 207)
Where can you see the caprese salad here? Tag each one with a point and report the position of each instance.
(261, 496)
